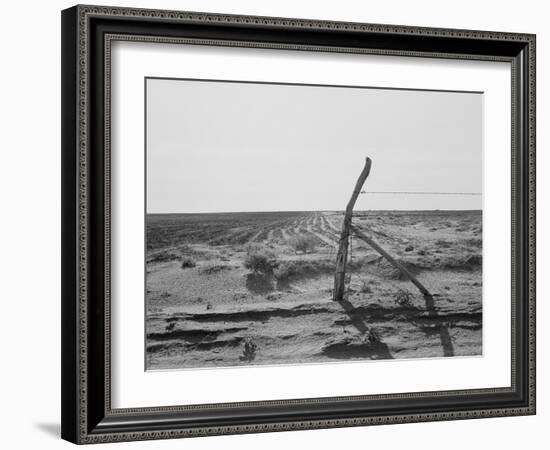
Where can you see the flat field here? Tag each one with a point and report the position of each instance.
(234, 289)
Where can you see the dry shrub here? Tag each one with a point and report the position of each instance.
(373, 337)
(296, 269)
(303, 243)
(365, 288)
(249, 351)
(187, 262)
(404, 298)
(260, 260)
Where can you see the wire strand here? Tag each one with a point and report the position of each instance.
(420, 193)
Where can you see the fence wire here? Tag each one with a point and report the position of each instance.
(420, 193)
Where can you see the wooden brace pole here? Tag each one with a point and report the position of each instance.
(342, 255)
(396, 263)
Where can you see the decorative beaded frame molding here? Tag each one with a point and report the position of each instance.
(86, 421)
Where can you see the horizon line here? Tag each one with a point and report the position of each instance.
(315, 210)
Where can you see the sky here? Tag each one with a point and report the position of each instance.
(226, 147)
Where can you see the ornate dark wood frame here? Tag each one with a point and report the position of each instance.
(87, 33)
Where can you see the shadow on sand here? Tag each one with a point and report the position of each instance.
(259, 283)
(374, 348)
(443, 328)
(357, 319)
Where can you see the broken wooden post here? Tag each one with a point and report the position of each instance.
(342, 255)
(393, 261)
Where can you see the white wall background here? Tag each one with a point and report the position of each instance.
(30, 225)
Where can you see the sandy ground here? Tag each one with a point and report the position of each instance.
(206, 309)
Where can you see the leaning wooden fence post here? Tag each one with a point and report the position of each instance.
(392, 260)
(342, 255)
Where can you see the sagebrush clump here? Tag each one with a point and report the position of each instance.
(372, 337)
(303, 268)
(260, 260)
(404, 298)
(303, 243)
(365, 287)
(249, 351)
(187, 262)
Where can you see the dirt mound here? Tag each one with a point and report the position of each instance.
(292, 270)
(163, 257)
(468, 262)
(192, 335)
(415, 265)
(385, 269)
(260, 313)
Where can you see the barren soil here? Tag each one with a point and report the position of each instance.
(206, 309)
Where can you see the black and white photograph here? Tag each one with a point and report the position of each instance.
(300, 224)
(282, 219)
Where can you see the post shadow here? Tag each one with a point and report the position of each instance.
(375, 348)
(446, 342)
